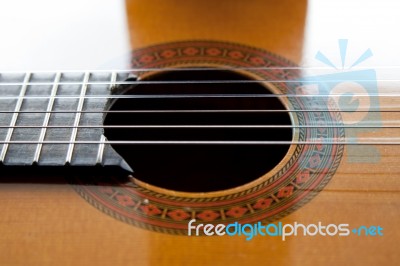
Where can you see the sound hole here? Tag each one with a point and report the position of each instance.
(206, 167)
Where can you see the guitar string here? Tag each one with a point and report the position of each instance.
(338, 125)
(190, 96)
(198, 111)
(202, 142)
(218, 68)
(146, 82)
(206, 126)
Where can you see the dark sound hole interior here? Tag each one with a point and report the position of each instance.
(199, 168)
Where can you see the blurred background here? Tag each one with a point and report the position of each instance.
(99, 34)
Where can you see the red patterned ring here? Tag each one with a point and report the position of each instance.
(306, 171)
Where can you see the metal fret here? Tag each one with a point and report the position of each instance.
(47, 117)
(71, 145)
(15, 116)
(100, 153)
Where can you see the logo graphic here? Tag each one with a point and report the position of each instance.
(355, 93)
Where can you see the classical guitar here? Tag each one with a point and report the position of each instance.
(211, 132)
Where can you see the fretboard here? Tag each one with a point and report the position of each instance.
(55, 119)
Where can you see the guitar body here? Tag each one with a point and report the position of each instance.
(90, 219)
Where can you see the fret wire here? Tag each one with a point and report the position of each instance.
(71, 145)
(15, 116)
(212, 142)
(100, 152)
(47, 117)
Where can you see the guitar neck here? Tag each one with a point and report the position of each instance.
(55, 119)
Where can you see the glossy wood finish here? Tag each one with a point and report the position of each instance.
(47, 224)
